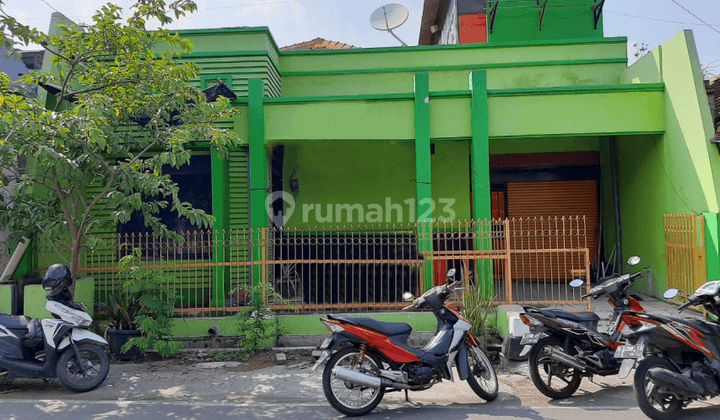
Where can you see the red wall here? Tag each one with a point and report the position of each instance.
(473, 28)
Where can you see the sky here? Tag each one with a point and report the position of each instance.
(650, 22)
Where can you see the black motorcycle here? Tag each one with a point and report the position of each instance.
(566, 346)
(676, 359)
(61, 347)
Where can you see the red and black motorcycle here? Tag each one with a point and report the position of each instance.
(368, 358)
(677, 359)
(564, 346)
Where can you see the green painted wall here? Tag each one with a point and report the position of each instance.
(671, 173)
(520, 20)
(544, 145)
(370, 174)
(469, 56)
(451, 78)
(336, 173)
(296, 324)
(515, 113)
(6, 298)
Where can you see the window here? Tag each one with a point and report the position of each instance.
(195, 183)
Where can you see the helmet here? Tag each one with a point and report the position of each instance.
(57, 278)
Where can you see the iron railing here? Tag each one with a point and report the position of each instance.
(352, 268)
(685, 251)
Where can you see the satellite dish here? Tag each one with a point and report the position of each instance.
(389, 17)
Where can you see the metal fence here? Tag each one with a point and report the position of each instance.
(353, 268)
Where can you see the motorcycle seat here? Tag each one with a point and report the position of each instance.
(15, 322)
(584, 317)
(389, 328)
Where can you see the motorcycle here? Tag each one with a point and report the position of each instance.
(50, 348)
(374, 357)
(676, 360)
(568, 346)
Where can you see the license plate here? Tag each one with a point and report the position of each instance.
(325, 343)
(530, 338)
(630, 351)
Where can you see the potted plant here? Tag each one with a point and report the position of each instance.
(477, 304)
(123, 310)
(141, 310)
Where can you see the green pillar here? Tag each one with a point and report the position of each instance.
(258, 173)
(221, 211)
(480, 145)
(712, 246)
(480, 168)
(423, 176)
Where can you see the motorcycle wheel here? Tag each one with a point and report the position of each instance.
(543, 370)
(95, 361)
(345, 397)
(482, 378)
(655, 405)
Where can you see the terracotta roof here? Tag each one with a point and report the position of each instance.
(318, 44)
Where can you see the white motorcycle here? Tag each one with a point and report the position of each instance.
(60, 348)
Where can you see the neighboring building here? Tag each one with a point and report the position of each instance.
(543, 119)
(448, 22)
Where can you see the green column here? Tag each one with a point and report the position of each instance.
(258, 172)
(480, 145)
(423, 176)
(480, 168)
(221, 211)
(712, 246)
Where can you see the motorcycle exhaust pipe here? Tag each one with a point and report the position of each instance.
(367, 380)
(675, 382)
(564, 358)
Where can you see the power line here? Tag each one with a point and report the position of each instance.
(696, 16)
(654, 19)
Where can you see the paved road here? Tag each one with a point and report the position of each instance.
(173, 391)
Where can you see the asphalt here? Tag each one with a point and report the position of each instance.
(187, 379)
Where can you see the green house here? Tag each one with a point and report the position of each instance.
(538, 116)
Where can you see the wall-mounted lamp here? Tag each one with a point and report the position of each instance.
(294, 185)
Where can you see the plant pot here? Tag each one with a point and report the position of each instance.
(118, 338)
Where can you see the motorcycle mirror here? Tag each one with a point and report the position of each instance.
(670, 293)
(451, 273)
(407, 296)
(634, 260)
(576, 283)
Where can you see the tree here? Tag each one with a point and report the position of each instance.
(122, 110)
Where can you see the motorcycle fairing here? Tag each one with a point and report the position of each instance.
(5, 332)
(54, 330)
(80, 335)
(69, 314)
(578, 330)
(680, 329)
(382, 342)
(10, 344)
